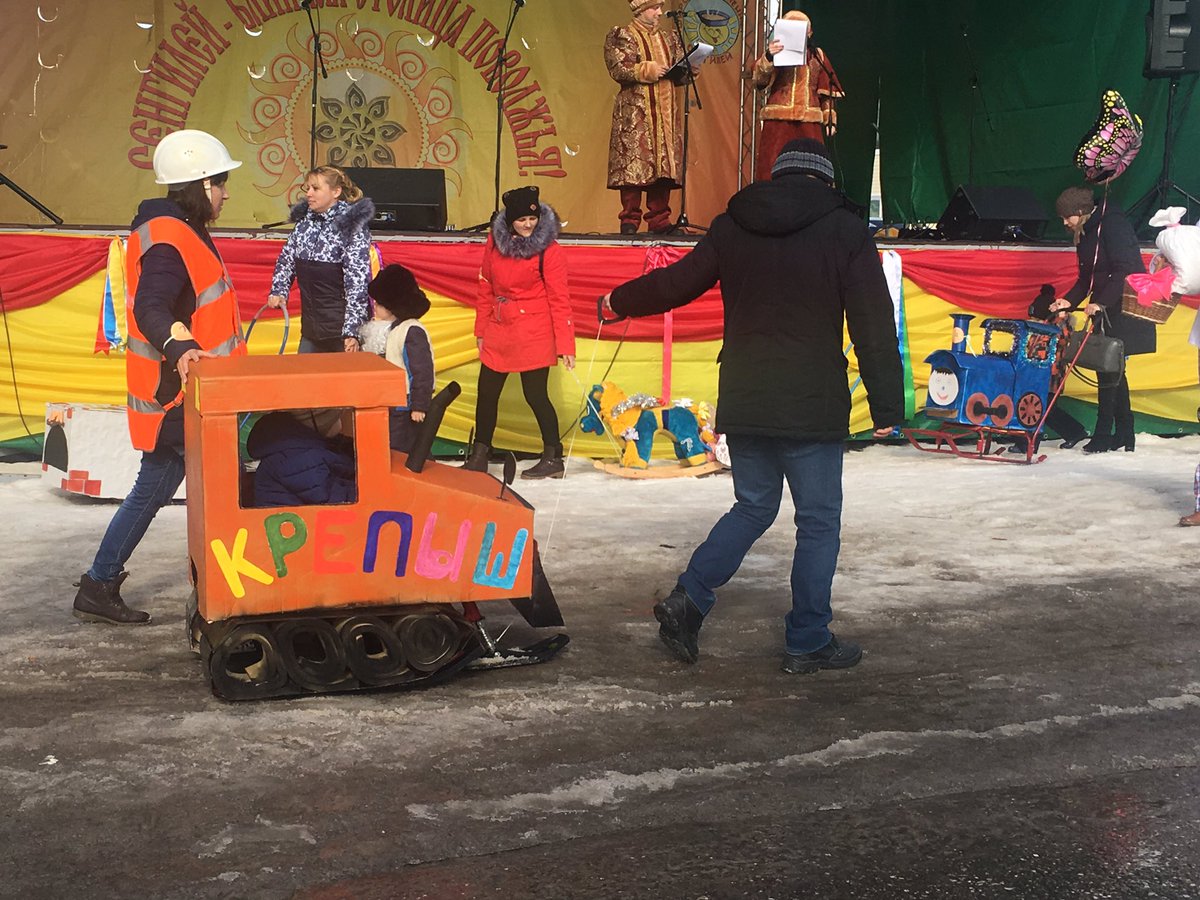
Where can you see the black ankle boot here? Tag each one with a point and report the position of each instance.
(100, 601)
(549, 466)
(679, 624)
(1100, 443)
(478, 460)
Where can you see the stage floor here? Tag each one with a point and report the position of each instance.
(594, 239)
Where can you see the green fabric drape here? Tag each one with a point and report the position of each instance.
(852, 41)
(1005, 105)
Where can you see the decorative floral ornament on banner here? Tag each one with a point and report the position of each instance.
(1113, 141)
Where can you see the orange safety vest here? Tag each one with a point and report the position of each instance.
(216, 325)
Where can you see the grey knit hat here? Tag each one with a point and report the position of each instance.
(1075, 201)
(804, 156)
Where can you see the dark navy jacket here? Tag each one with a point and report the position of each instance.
(297, 467)
(795, 267)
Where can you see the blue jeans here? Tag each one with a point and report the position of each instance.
(814, 475)
(326, 345)
(157, 481)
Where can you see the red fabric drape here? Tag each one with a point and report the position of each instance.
(999, 283)
(35, 267)
(251, 264)
(453, 270)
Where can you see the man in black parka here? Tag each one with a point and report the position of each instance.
(794, 265)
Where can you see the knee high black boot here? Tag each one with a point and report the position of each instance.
(1123, 417)
(1101, 441)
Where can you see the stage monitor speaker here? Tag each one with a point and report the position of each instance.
(1172, 38)
(405, 199)
(993, 214)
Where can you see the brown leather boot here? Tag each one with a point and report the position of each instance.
(549, 466)
(478, 460)
(100, 601)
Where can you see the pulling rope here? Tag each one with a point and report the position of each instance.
(588, 403)
(587, 397)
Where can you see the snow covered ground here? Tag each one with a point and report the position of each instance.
(910, 520)
(1029, 631)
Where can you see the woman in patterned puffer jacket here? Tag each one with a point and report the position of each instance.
(329, 256)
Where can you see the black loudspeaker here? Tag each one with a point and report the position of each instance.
(993, 214)
(405, 199)
(1172, 38)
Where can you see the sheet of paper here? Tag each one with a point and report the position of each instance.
(678, 73)
(699, 54)
(794, 35)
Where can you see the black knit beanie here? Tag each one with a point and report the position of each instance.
(521, 202)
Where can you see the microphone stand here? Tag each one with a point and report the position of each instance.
(689, 90)
(497, 81)
(975, 92)
(318, 65)
(7, 182)
(1156, 197)
(834, 85)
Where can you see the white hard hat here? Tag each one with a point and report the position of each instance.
(190, 155)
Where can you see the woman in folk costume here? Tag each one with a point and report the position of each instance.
(1107, 250)
(799, 99)
(328, 254)
(170, 261)
(645, 149)
(522, 323)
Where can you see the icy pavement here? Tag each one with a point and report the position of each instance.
(1025, 722)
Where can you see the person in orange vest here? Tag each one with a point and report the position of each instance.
(183, 309)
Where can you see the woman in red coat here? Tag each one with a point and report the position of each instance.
(522, 323)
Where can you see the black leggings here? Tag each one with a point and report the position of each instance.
(533, 384)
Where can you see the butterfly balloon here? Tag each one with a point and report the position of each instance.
(1113, 141)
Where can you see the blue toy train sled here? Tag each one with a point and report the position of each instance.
(1001, 394)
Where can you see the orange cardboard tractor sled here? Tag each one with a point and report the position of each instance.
(380, 591)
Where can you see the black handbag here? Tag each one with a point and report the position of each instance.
(1100, 353)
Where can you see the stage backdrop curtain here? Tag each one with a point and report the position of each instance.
(34, 268)
(851, 34)
(1041, 69)
(410, 85)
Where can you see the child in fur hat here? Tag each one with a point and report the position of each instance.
(396, 335)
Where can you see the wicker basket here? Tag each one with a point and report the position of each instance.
(1157, 312)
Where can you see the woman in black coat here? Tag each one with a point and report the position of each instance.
(1107, 250)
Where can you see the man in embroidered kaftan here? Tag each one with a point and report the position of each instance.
(645, 151)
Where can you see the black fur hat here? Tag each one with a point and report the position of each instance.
(396, 290)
